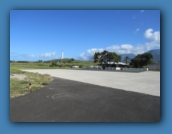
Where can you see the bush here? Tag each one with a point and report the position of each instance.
(145, 66)
(129, 66)
(41, 65)
(58, 65)
(51, 65)
(54, 64)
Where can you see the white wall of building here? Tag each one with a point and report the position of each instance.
(154, 66)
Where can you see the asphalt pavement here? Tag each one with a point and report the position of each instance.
(65, 100)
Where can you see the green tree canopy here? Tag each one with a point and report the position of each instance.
(142, 60)
(106, 56)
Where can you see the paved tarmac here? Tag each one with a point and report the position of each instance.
(147, 82)
(65, 100)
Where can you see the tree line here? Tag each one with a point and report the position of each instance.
(105, 57)
(140, 60)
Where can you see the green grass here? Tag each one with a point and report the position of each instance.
(19, 87)
(30, 66)
(33, 65)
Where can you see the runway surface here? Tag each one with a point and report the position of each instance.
(144, 82)
(65, 100)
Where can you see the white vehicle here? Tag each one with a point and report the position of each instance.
(75, 66)
(98, 67)
(90, 67)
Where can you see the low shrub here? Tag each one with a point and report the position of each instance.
(51, 65)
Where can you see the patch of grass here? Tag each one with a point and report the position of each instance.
(51, 65)
(15, 71)
(19, 87)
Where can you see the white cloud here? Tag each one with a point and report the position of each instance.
(19, 56)
(151, 45)
(114, 47)
(48, 54)
(154, 38)
(30, 55)
(120, 49)
(126, 46)
(89, 53)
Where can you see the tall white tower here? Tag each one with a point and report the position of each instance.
(62, 54)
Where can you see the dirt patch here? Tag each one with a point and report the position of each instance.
(18, 76)
(46, 75)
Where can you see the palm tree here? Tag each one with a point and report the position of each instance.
(127, 59)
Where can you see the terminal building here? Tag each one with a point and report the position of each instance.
(115, 65)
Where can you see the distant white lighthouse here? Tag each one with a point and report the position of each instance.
(62, 54)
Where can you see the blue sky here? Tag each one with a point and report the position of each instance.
(43, 34)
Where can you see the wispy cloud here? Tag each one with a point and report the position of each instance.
(30, 55)
(137, 30)
(48, 54)
(142, 11)
(19, 56)
(154, 42)
(134, 17)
